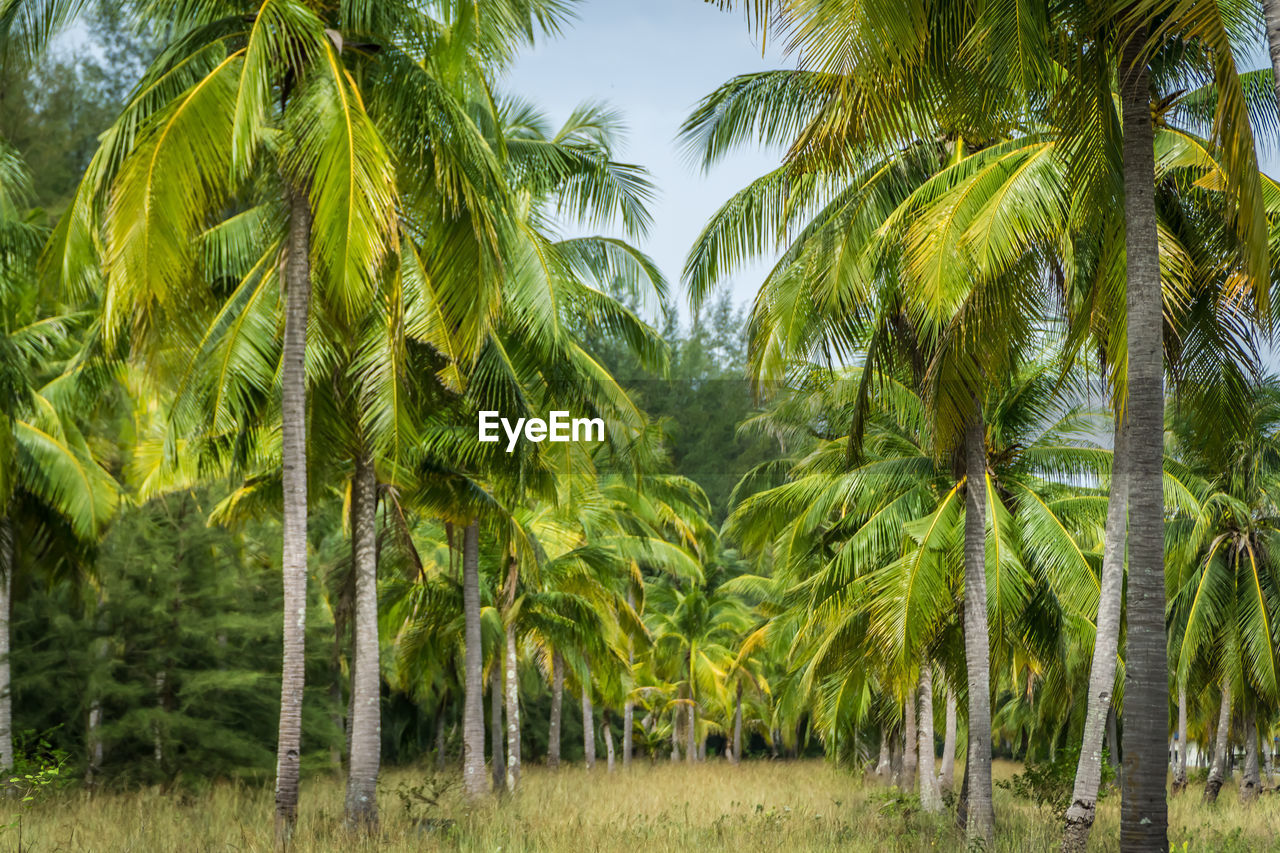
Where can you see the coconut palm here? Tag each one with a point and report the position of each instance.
(1222, 589)
(49, 476)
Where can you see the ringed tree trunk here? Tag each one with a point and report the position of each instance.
(676, 715)
(737, 725)
(513, 684)
(7, 565)
(980, 814)
(1102, 671)
(883, 761)
(1217, 770)
(1251, 781)
(691, 749)
(947, 778)
(909, 738)
(930, 797)
(513, 713)
(557, 706)
(1144, 815)
(628, 706)
(607, 727)
(1271, 14)
(497, 767)
(366, 722)
(588, 723)
(473, 782)
(293, 550)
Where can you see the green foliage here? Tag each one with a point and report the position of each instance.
(1049, 783)
(177, 652)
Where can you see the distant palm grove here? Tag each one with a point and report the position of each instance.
(985, 476)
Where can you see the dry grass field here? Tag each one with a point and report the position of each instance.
(760, 806)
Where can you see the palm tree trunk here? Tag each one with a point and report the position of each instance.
(557, 706)
(691, 734)
(628, 723)
(1180, 768)
(293, 462)
(895, 759)
(608, 739)
(910, 762)
(1213, 784)
(473, 688)
(366, 721)
(883, 762)
(588, 724)
(1144, 815)
(947, 777)
(513, 713)
(497, 766)
(1271, 14)
(1267, 758)
(7, 565)
(737, 725)
(980, 816)
(676, 715)
(930, 797)
(1251, 781)
(1102, 672)
(628, 707)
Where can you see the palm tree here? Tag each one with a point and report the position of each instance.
(1222, 589)
(47, 470)
(340, 196)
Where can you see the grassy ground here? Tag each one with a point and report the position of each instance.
(760, 806)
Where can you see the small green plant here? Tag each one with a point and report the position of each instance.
(37, 771)
(1049, 784)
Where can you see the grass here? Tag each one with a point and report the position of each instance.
(760, 806)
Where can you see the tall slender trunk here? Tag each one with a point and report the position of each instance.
(947, 777)
(980, 816)
(1251, 780)
(473, 688)
(293, 461)
(1267, 758)
(628, 706)
(366, 717)
(497, 766)
(1271, 14)
(930, 797)
(910, 761)
(1213, 784)
(7, 565)
(1102, 671)
(677, 714)
(884, 759)
(895, 759)
(1144, 814)
(691, 733)
(1180, 767)
(557, 706)
(101, 652)
(513, 712)
(737, 725)
(157, 736)
(588, 723)
(607, 730)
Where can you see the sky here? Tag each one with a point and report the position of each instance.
(653, 60)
